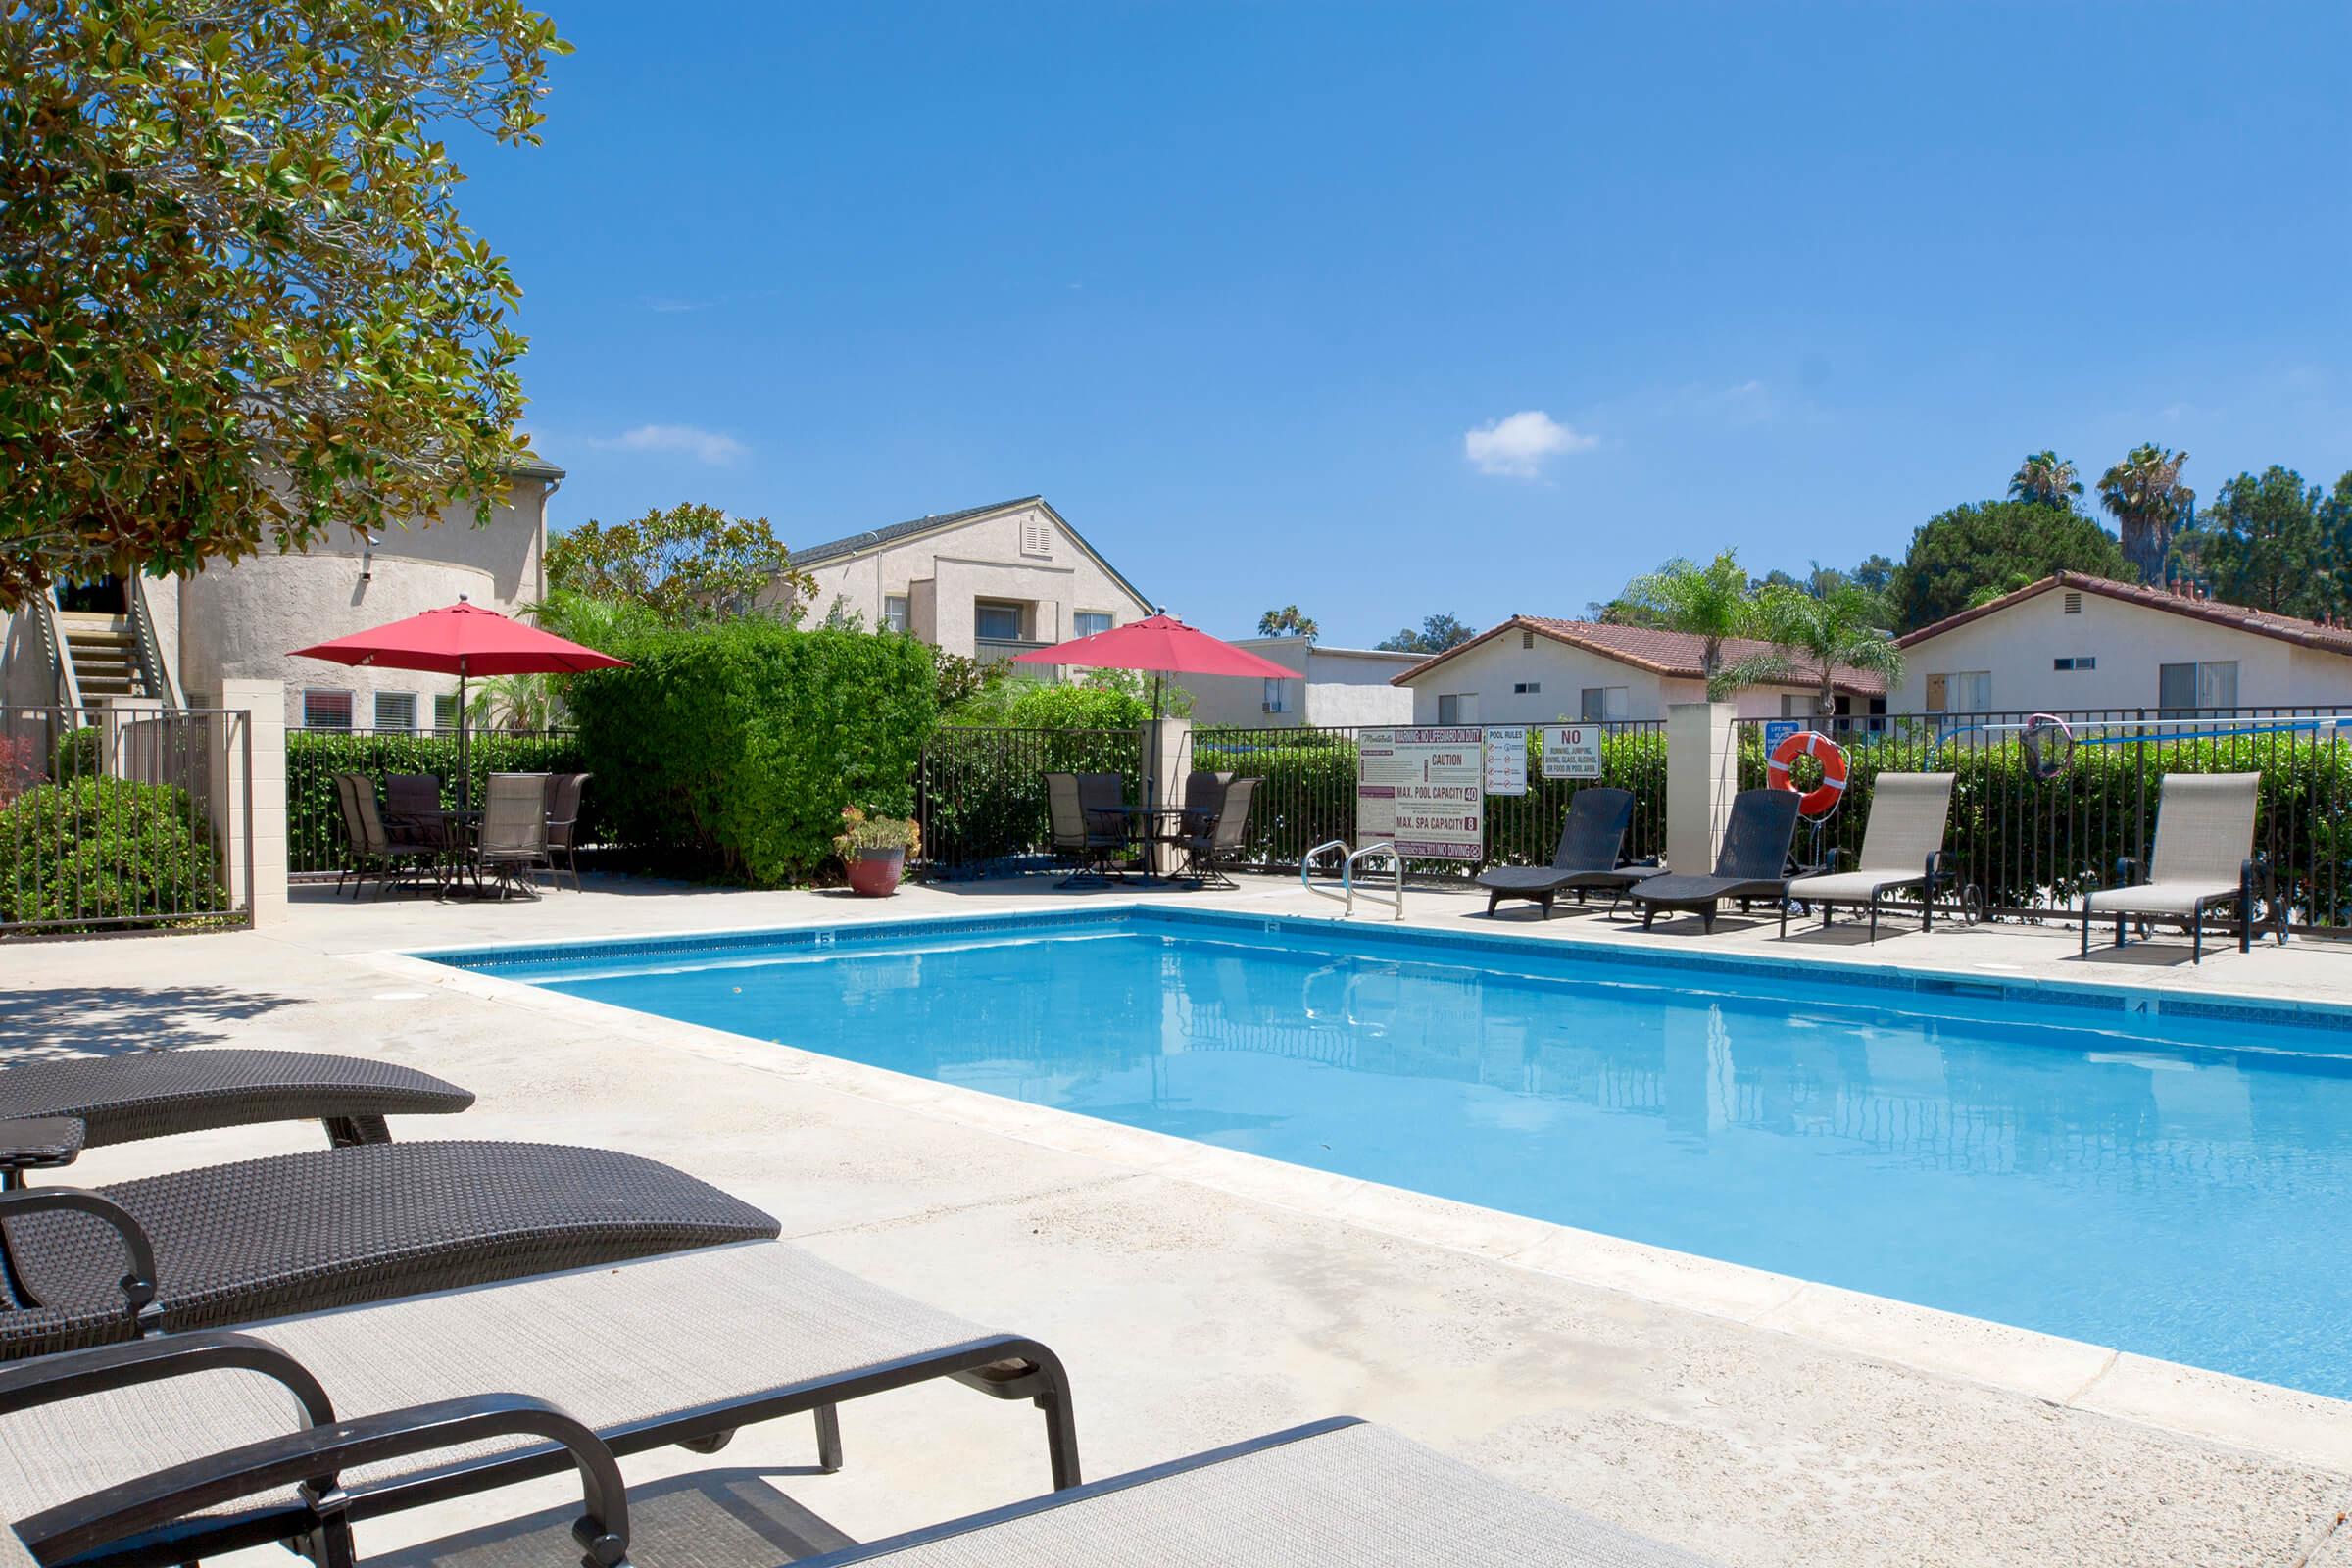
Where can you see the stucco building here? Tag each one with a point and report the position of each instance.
(2072, 642)
(1533, 669)
(1331, 688)
(986, 582)
(176, 639)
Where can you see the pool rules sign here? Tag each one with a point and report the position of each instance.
(1421, 790)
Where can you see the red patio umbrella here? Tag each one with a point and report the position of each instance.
(461, 640)
(1164, 646)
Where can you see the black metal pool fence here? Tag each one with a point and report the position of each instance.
(2029, 846)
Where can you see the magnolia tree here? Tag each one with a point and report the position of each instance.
(237, 303)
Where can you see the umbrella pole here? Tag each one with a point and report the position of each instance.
(1152, 783)
(464, 748)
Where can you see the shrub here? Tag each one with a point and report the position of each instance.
(315, 840)
(983, 789)
(75, 755)
(19, 766)
(1098, 699)
(104, 849)
(730, 750)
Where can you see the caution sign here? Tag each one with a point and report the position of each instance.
(1423, 791)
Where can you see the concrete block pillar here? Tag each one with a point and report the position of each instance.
(1170, 742)
(248, 796)
(1702, 761)
(128, 736)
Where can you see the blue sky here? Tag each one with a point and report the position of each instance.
(1247, 279)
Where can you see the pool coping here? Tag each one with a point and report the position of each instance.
(2192, 1402)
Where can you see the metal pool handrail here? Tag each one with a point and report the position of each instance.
(1347, 896)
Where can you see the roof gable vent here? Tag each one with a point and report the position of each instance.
(2074, 603)
(1527, 638)
(1037, 537)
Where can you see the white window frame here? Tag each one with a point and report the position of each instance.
(896, 613)
(1615, 703)
(1273, 700)
(376, 711)
(1079, 619)
(328, 697)
(1458, 707)
(445, 713)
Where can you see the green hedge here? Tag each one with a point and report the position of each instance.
(984, 789)
(729, 751)
(104, 849)
(1307, 796)
(315, 840)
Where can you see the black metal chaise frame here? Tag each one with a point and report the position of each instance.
(1589, 858)
(1753, 864)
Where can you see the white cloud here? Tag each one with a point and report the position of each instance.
(1517, 446)
(704, 446)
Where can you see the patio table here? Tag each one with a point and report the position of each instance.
(1149, 825)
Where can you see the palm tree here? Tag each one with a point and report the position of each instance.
(2145, 494)
(512, 703)
(1712, 603)
(2045, 477)
(1813, 635)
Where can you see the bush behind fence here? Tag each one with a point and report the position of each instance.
(315, 840)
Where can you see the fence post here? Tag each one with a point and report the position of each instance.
(1702, 758)
(248, 797)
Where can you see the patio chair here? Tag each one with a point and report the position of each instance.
(353, 856)
(1081, 834)
(562, 822)
(1753, 864)
(397, 857)
(1204, 798)
(412, 805)
(1590, 856)
(295, 1233)
(682, 1349)
(2204, 856)
(1902, 847)
(1210, 843)
(155, 1093)
(511, 842)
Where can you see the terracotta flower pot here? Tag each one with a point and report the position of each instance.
(876, 874)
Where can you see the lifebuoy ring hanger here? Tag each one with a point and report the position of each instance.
(1823, 798)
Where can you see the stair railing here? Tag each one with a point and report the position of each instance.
(53, 644)
(154, 674)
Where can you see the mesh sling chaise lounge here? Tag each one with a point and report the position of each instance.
(2204, 855)
(155, 1093)
(1590, 856)
(1902, 847)
(1335, 1494)
(670, 1350)
(1753, 864)
(295, 1233)
(1081, 832)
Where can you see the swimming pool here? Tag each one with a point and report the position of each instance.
(2166, 1177)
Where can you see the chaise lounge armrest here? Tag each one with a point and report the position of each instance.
(39, 1142)
(311, 1462)
(139, 1282)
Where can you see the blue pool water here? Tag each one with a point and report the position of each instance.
(2171, 1185)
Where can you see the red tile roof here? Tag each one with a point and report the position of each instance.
(1677, 654)
(2260, 623)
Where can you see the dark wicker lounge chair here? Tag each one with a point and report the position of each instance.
(395, 856)
(1083, 831)
(563, 824)
(1902, 847)
(511, 842)
(1753, 864)
(1590, 859)
(1213, 842)
(154, 1093)
(297, 1233)
(670, 1350)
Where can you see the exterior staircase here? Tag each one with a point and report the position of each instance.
(103, 654)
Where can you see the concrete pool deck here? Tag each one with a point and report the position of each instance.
(1200, 1296)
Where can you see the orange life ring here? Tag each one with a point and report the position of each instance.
(1823, 798)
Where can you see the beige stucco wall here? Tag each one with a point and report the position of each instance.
(1493, 667)
(239, 622)
(943, 572)
(2017, 645)
(1329, 688)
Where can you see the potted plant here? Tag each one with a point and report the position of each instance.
(875, 850)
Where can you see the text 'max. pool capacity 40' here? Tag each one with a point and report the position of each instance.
(1422, 790)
